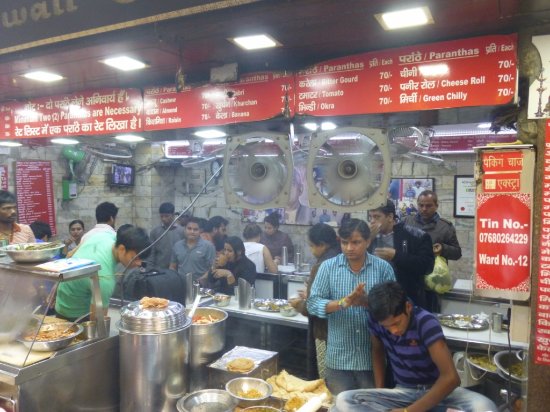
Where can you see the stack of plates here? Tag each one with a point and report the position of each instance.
(134, 318)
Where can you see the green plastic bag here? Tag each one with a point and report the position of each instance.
(440, 280)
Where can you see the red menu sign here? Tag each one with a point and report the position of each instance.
(34, 190)
(470, 72)
(256, 97)
(542, 332)
(503, 222)
(97, 112)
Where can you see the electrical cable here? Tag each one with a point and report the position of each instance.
(120, 275)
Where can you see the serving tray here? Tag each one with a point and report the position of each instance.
(270, 305)
(464, 322)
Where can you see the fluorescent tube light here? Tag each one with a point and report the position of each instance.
(259, 41)
(124, 63)
(400, 19)
(210, 134)
(64, 140)
(131, 138)
(43, 76)
(10, 144)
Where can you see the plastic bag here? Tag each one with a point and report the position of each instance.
(440, 280)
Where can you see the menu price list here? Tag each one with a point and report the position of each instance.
(97, 112)
(468, 72)
(34, 191)
(542, 332)
(255, 97)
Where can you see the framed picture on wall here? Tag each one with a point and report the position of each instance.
(465, 196)
(404, 192)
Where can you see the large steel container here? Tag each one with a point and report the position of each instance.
(207, 344)
(154, 357)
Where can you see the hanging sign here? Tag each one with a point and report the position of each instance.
(98, 112)
(542, 302)
(3, 177)
(255, 97)
(504, 221)
(469, 72)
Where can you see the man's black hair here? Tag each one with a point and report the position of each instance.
(388, 208)
(386, 299)
(167, 208)
(105, 211)
(7, 197)
(274, 219)
(251, 231)
(134, 239)
(193, 219)
(41, 229)
(354, 225)
(217, 221)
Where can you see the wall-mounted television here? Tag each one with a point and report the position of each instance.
(122, 175)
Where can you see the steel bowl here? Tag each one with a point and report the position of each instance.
(288, 311)
(207, 400)
(506, 361)
(18, 253)
(261, 408)
(51, 345)
(222, 300)
(240, 385)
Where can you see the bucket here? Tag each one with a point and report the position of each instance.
(468, 377)
(206, 345)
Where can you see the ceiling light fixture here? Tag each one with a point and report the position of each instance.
(484, 125)
(10, 144)
(130, 138)
(311, 126)
(328, 126)
(64, 140)
(210, 134)
(401, 19)
(43, 76)
(124, 63)
(258, 41)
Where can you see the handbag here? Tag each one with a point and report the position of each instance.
(440, 280)
(159, 283)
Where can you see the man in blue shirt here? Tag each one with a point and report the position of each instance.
(338, 294)
(424, 372)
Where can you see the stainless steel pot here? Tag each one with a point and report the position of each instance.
(207, 343)
(154, 357)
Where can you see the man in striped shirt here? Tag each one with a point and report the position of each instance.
(338, 294)
(421, 362)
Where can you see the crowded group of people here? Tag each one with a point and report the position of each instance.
(376, 342)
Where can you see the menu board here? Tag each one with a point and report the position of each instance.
(503, 234)
(97, 112)
(255, 97)
(34, 191)
(469, 72)
(542, 303)
(467, 142)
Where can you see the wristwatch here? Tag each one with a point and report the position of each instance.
(343, 303)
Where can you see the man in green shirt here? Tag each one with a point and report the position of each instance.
(74, 297)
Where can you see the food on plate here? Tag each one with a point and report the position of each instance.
(517, 370)
(241, 365)
(204, 320)
(250, 394)
(36, 246)
(483, 361)
(49, 333)
(270, 305)
(153, 303)
(295, 402)
(260, 409)
(286, 386)
(221, 296)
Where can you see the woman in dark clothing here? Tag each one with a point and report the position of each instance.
(275, 240)
(324, 245)
(224, 278)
